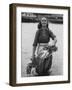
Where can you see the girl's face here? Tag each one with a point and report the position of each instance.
(44, 21)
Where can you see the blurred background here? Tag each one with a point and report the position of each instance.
(35, 17)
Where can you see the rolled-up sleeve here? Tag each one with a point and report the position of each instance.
(51, 34)
(36, 38)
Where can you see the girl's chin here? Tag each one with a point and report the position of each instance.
(44, 25)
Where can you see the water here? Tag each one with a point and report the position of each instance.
(28, 34)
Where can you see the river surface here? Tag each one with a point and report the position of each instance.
(27, 37)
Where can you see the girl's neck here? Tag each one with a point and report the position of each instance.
(43, 27)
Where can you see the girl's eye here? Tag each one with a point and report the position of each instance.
(43, 20)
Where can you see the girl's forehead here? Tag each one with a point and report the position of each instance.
(43, 18)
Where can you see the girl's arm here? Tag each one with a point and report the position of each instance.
(35, 43)
(53, 37)
(33, 52)
(55, 41)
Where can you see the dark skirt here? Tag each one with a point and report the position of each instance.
(43, 66)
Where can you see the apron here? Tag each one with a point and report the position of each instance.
(41, 46)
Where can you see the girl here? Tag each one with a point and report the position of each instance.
(42, 39)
